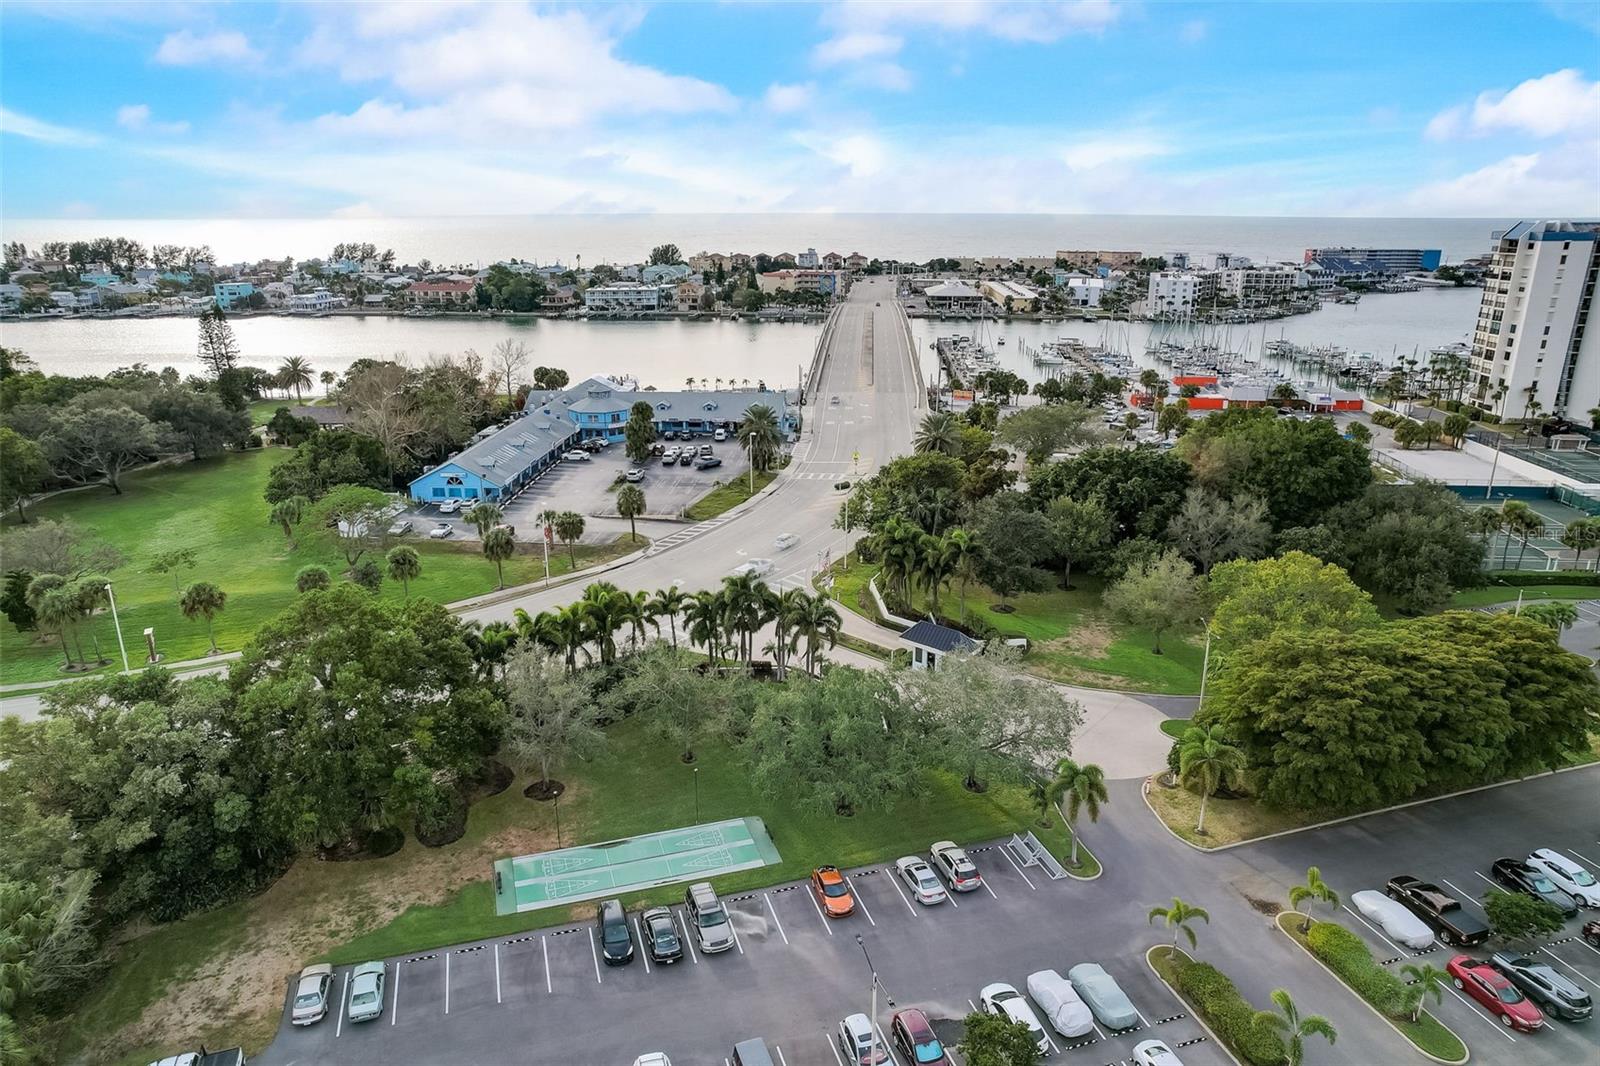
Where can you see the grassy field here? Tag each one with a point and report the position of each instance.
(727, 497)
(1073, 639)
(229, 966)
(1175, 727)
(216, 508)
(1493, 594)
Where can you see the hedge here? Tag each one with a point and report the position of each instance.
(1347, 955)
(1543, 577)
(1228, 1013)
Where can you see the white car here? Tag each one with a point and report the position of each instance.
(1154, 1053)
(786, 541)
(755, 567)
(720, 435)
(634, 475)
(920, 880)
(441, 531)
(1068, 1014)
(1568, 876)
(1006, 1001)
(653, 1058)
(1397, 923)
(576, 456)
(450, 507)
(954, 866)
(860, 1046)
(311, 994)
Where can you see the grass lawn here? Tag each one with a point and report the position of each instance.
(216, 508)
(1175, 727)
(1073, 638)
(727, 497)
(1427, 1033)
(229, 966)
(1228, 821)
(1493, 594)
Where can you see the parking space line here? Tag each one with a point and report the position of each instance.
(1007, 853)
(644, 955)
(1096, 1027)
(1583, 858)
(544, 946)
(734, 929)
(687, 939)
(344, 988)
(1142, 1018)
(595, 955)
(779, 1049)
(497, 973)
(1459, 890)
(894, 1056)
(1483, 878)
(823, 918)
(951, 896)
(394, 1013)
(1590, 946)
(984, 881)
(1477, 1012)
(1375, 932)
(901, 894)
(866, 910)
(1571, 967)
(775, 920)
(447, 982)
(833, 1047)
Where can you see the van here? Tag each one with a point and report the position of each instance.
(712, 929)
(752, 1052)
(720, 435)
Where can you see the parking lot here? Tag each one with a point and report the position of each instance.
(545, 996)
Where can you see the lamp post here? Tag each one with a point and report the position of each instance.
(558, 819)
(697, 795)
(118, 623)
(872, 1017)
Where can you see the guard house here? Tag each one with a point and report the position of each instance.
(929, 642)
(498, 462)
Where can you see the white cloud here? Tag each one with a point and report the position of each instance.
(187, 49)
(1041, 21)
(136, 117)
(1447, 124)
(1557, 103)
(1095, 153)
(1194, 31)
(787, 98)
(854, 47)
(38, 130)
(1557, 181)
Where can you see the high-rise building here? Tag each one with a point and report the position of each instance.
(1531, 352)
(1393, 260)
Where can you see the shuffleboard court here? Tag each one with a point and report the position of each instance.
(590, 871)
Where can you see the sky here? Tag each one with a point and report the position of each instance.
(311, 110)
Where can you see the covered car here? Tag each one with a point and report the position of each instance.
(1103, 995)
(1063, 1008)
(1396, 921)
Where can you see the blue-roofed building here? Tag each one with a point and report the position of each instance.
(498, 462)
(598, 407)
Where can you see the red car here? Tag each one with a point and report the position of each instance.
(1497, 995)
(912, 1033)
(832, 891)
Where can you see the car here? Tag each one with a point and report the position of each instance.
(366, 992)
(1154, 1053)
(669, 434)
(842, 486)
(669, 457)
(1440, 910)
(860, 1046)
(1062, 1006)
(686, 457)
(657, 448)
(634, 475)
(576, 455)
(1104, 996)
(1495, 993)
(913, 1034)
(1004, 1000)
(311, 994)
(920, 881)
(953, 865)
(653, 1058)
(834, 402)
(754, 567)
(706, 451)
(752, 1052)
(832, 892)
(786, 541)
(712, 929)
(661, 936)
(1568, 876)
(706, 462)
(442, 531)
(1520, 877)
(400, 528)
(449, 506)
(594, 444)
(1591, 934)
(1549, 990)
(720, 435)
(616, 936)
(1397, 923)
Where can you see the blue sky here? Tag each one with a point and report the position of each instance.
(148, 110)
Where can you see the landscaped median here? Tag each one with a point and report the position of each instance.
(1217, 1004)
(726, 497)
(1345, 955)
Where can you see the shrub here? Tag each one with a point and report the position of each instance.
(1347, 955)
(1229, 1013)
(1543, 577)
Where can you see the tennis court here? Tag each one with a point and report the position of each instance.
(571, 875)
(1544, 550)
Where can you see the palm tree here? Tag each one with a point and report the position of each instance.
(898, 545)
(1422, 980)
(1287, 1021)
(1314, 889)
(630, 505)
(689, 382)
(1524, 524)
(483, 517)
(1580, 536)
(669, 603)
(787, 607)
(963, 556)
(1206, 759)
(939, 432)
(295, 374)
(934, 567)
(286, 514)
(327, 377)
(816, 621)
(571, 628)
(633, 610)
(543, 629)
(205, 600)
(759, 436)
(55, 605)
(490, 646)
(312, 579)
(1082, 787)
(603, 607)
(744, 610)
(1285, 392)
(499, 544)
(569, 527)
(933, 508)
(1486, 522)
(1178, 916)
(703, 621)
(405, 566)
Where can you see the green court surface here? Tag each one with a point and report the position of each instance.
(591, 871)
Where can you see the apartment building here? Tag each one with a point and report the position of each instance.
(1174, 292)
(1531, 350)
(1260, 283)
(626, 296)
(1090, 257)
(1392, 260)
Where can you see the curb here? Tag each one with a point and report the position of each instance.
(1193, 1013)
(1144, 794)
(1363, 1000)
(1100, 867)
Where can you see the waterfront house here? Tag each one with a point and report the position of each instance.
(662, 273)
(99, 278)
(461, 293)
(630, 297)
(953, 296)
(229, 293)
(560, 298)
(856, 261)
(319, 302)
(827, 282)
(833, 261)
(1008, 294)
(277, 292)
(10, 295)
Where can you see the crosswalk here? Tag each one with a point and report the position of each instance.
(672, 540)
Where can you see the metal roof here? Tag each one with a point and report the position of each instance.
(938, 637)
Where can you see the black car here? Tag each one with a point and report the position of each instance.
(1591, 933)
(1520, 877)
(1440, 910)
(661, 936)
(616, 939)
(669, 434)
(686, 457)
(1552, 992)
(706, 462)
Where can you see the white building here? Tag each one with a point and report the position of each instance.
(628, 296)
(277, 292)
(1086, 292)
(807, 259)
(1173, 292)
(318, 302)
(1531, 344)
(1264, 282)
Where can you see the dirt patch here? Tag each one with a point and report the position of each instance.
(544, 791)
(1264, 906)
(1089, 639)
(497, 777)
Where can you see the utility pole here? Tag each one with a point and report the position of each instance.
(118, 623)
(872, 1017)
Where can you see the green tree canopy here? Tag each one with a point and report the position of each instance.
(1158, 595)
(1039, 432)
(995, 1040)
(1142, 488)
(1295, 592)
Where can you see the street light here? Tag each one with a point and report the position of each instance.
(697, 795)
(872, 1018)
(558, 819)
(118, 623)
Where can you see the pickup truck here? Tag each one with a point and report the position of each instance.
(1444, 913)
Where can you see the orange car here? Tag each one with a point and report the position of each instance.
(833, 892)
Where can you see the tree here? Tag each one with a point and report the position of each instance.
(640, 431)
(939, 432)
(759, 436)
(1488, 521)
(1079, 530)
(286, 514)
(353, 512)
(1142, 488)
(961, 554)
(368, 575)
(51, 547)
(669, 603)
(1422, 980)
(630, 505)
(1555, 614)
(88, 443)
(1207, 762)
(219, 350)
(996, 1040)
(499, 544)
(553, 716)
(198, 421)
(324, 460)
(1407, 432)
(678, 703)
(1519, 917)
(1413, 543)
(1312, 889)
(23, 470)
(549, 378)
(1039, 432)
(1455, 427)
(1012, 542)
(384, 405)
(569, 527)
(312, 579)
(1579, 535)
(1288, 1022)
(1524, 523)
(204, 600)
(1174, 418)
(665, 255)
(482, 517)
(1158, 595)
(14, 601)
(51, 599)
(1077, 788)
(1210, 529)
(295, 373)
(404, 566)
(1293, 592)
(1177, 918)
(815, 620)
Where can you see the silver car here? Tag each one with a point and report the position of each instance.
(366, 992)
(712, 929)
(311, 994)
(920, 880)
(860, 1046)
